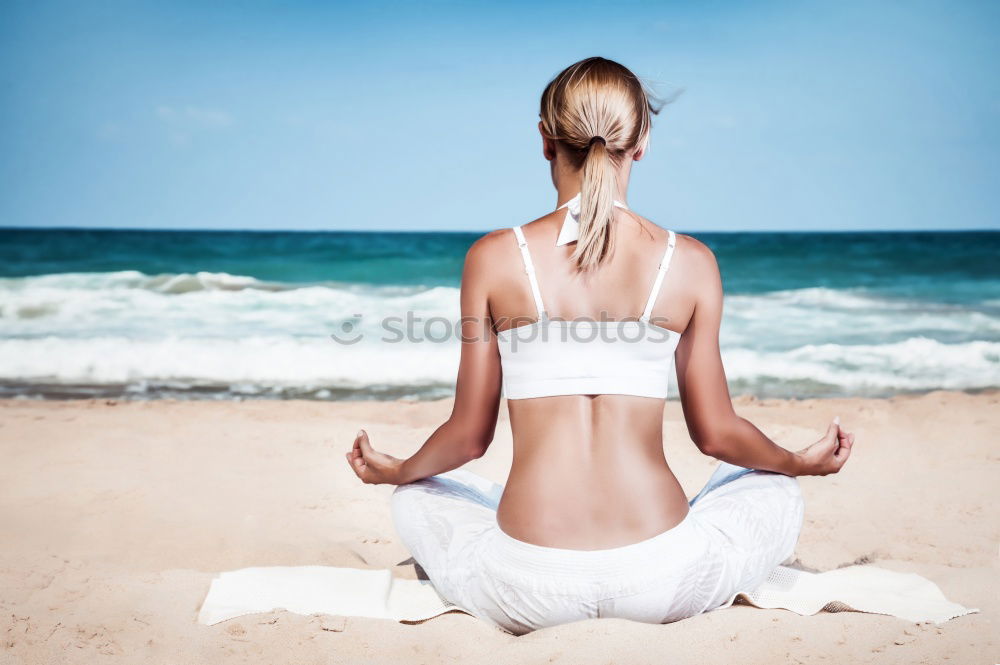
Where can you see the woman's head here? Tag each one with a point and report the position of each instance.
(599, 113)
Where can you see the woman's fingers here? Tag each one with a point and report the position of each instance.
(840, 460)
(841, 441)
(827, 444)
(356, 456)
(364, 444)
(351, 462)
(831, 430)
(844, 451)
(358, 466)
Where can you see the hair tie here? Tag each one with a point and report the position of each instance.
(597, 138)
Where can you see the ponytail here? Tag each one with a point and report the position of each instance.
(599, 111)
(597, 196)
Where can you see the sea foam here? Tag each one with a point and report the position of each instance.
(234, 334)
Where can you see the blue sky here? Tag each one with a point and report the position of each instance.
(313, 115)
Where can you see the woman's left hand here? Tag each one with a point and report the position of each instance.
(371, 466)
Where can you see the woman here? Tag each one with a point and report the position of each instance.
(578, 316)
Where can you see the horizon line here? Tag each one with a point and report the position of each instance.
(471, 231)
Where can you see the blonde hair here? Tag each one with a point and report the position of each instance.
(600, 111)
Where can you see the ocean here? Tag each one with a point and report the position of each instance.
(232, 315)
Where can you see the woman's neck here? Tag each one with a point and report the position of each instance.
(567, 192)
(568, 185)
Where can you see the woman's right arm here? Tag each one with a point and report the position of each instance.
(469, 431)
(712, 422)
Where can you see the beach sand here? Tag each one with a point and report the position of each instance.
(115, 517)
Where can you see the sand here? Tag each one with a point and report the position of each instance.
(115, 516)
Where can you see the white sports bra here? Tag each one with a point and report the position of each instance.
(585, 357)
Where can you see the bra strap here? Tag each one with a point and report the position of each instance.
(664, 265)
(529, 268)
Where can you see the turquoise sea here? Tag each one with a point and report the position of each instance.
(213, 314)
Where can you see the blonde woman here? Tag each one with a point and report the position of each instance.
(579, 318)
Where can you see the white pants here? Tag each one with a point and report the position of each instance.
(740, 526)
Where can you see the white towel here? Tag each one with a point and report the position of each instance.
(855, 588)
(376, 593)
(320, 590)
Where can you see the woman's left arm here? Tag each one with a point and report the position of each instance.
(469, 431)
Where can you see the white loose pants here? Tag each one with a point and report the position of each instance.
(741, 526)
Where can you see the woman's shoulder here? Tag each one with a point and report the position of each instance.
(697, 253)
(691, 256)
(490, 244)
(697, 263)
(502, 242)
(487, 257)
(698, 250)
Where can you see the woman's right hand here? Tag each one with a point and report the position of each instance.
(829, 454)
(370, 465)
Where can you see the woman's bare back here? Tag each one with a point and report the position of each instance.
(589, 471)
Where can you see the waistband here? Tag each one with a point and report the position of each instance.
(677, 543)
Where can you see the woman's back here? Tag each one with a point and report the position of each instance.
(580, 317)
(588, 469)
